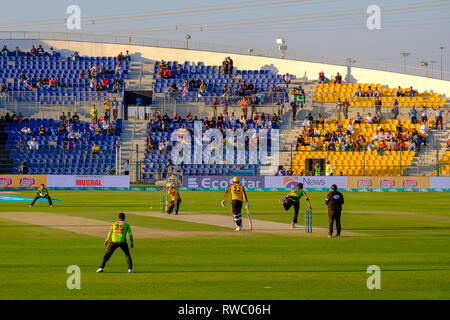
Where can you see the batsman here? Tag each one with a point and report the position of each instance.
(293, 199)
(238, 196)
(42, 192)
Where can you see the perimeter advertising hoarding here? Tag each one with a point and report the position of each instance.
(221, 182)
(88, 181)
(375, 182)
(309, 182)
(22, 181)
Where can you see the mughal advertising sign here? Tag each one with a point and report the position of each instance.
(88, 181)
(221, 182)
(309, 182)
(375, 182)
(22, 181)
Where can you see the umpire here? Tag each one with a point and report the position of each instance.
(334, 200)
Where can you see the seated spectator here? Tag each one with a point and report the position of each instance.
(371, 146)
(105, 83)
(400, 92)
(412, 92)
(95, 149)
(5, 51)
(21, 145)
(17, 52)
(23, 168)
(376, 118)
(42, 130)
(369, 92)
(203, 87)
(411, 145)
(40, 51)
(369, 119)
(78, 135)
(99, 87)
(162, 147)
(376, 93)
(359, 92)
(322, 78)
(27, 131)
(75, 118)
(110, 130)
(306, 123)
(424, 128)
(381, 148)
(3, 87)
(338, 78)
(33, 144)
(72, 135)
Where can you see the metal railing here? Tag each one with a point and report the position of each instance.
(222, 48)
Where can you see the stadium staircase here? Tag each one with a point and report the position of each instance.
(6, 163)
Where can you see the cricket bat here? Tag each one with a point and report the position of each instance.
(249, 219)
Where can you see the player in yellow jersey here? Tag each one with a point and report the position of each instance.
(175, 199)
(117, 238)
(238, 196)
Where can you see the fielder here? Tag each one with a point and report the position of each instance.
(238, 196)
(175, 199)
(293, 199)
(118, 239)
(42, 192)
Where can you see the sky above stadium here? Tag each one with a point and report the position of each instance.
(324, 27)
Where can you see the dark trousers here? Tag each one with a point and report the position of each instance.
(112, 247)
(294, 112)
(334, 215)
(288, 204)
(44, 197)
(236, 207)
(174, 206)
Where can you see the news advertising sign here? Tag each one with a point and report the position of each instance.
(221, 182)
(309, 182)
(22, 181)
(88, 181)
(375, 182)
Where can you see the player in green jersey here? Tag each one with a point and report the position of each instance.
(293, 199)
(117, 238)
(42, 192)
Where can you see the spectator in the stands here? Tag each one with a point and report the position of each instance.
(33, 144)
(287, 80)
(250, 88)
(400, 92)
(424, 114)
(412, 92)
(21, 145)
(369, 118)
(99, 87)
(322, 77)
(5, 51)
(413, 115)
(93, 126)
(95, 149)
(40, 51)
(26, 130)
(115, 108)
(75, 117)
(94, 113)
(230, 66)
(42, 130)
(23, 168)
(17, 52)
(244, 106)
(369, 92)
(75, 56)
(359, 92)
(338, 78)
(376, 93)
(395, 109)
(424, 128)
(3, 87)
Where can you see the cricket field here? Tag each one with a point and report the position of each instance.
(199, 255)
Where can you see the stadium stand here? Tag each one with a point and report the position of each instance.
(393, 144)
(57, 151)
(330, 92)
(191, 75)
(160, 130)
(49, 78)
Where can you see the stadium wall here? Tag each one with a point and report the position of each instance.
(246, 62)
(261, 183)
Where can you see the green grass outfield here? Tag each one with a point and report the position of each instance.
(405, 234)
